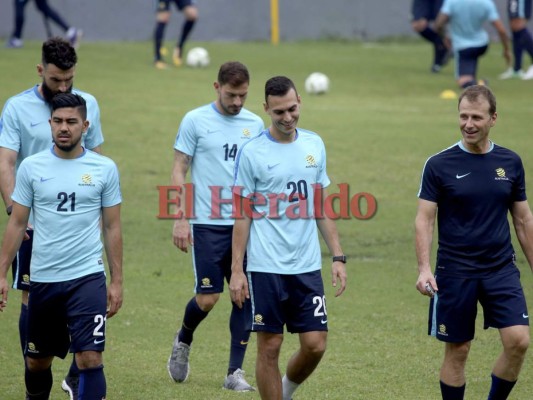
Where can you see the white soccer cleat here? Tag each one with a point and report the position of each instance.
(528, 75)
(74, 36)
(510, 73)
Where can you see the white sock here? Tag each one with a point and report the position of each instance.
(289, 387)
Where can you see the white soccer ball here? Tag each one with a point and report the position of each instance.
(197, 57)
(317, 83)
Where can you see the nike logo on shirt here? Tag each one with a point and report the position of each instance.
(32, 124)
(462, 176)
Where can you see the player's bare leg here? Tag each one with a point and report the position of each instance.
(452, 371)
(305, 360)
(515, 340)
(267, 372)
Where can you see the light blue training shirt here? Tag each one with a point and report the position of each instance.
(66, 197)
(467, 19)
(213, 140)
(285, 240)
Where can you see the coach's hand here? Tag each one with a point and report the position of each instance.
(181, 234)
(426, 284)
(238, 288)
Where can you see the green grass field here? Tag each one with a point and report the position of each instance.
(380, 121)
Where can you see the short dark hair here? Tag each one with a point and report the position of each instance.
(59, 52)
(279, 86)
(70, 100)
(233, 73)
(473, 92)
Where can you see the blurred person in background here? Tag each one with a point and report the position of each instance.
(190, 11)
(470, 40)
(15, 41)
(519, 12)
(423, 13)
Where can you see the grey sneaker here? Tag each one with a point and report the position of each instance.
(528, 75)
(178, 362)
(237, 382)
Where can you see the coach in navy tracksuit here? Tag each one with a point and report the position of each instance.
(473, 184)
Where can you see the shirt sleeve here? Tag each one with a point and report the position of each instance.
(446, 7)
(493, 12)
(111, 196)
(323, 178)
(9, 129)
(23, 193)
(519, 186)
(429, 189)
(186, 138)
(244, 182)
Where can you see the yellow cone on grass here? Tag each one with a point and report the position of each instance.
(448, 95)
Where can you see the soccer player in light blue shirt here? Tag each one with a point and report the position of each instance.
(280, 178)
(292, 171)
(24, 131)
(208, 140)
(69, 190)
(469, 38)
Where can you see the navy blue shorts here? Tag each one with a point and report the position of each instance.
(519, 9)
(467, 59)
(425, 9)
(453, 310)
(63, 315)
(21, 264)
(297, 301)
(211, 257)
(164, 5)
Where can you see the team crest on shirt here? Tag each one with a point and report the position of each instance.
(206, 283)
(311, 162)
(500, 175)
(246, 134)
(86, 180)
(258, 319)
(442, 330)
